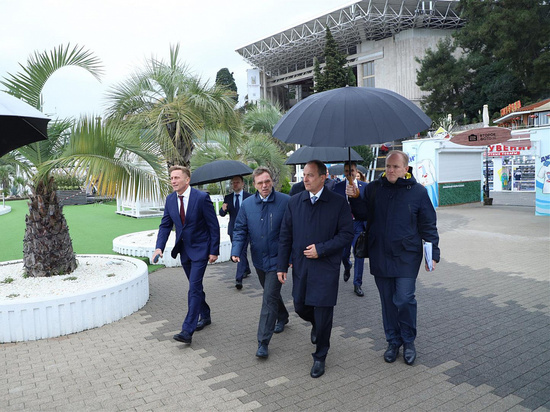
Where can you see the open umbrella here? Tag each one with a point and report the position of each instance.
(324, 154)
(20, 124)
(339, 169)
(351, 116)
(217, 171)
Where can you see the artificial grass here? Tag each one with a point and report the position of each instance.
(92, 228)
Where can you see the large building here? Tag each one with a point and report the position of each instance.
(381, 38)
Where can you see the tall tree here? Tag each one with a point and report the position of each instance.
(335, 74)
(224, 78)
(88, 149)
(505, 46)
(171, 105)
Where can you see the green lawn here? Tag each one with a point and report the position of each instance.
(92, 228)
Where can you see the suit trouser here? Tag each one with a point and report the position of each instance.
(398, 308)
(273, 307)
(196, 298)
(321, 319)
(358, 227)
(243, 265)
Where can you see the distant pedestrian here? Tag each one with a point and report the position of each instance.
(358, 227)
(231, 205)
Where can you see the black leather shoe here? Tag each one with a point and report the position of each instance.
(347, 274)
(262, 351)
(183, 336)
(358, 291)
(280, 326)
(318, 369)
(202, 323)
(246, 273)
(391, 353)
(409, 353)
(239, 284)
(313, 335)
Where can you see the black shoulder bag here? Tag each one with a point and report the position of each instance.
(361, 247)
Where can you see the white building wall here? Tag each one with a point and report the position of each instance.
(395, 65)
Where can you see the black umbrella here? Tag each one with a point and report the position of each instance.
(20, 124)
(324, 154)
(217, 171)
(339, 169)
(351, 116)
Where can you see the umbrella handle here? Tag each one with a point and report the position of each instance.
(356, 193)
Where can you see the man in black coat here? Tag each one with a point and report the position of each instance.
(402, 217)
(232, 204)
(316, 227)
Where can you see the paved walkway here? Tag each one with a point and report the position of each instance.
(483, 341)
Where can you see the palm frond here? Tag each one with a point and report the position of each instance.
(29, 83)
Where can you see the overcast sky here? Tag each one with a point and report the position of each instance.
(124, 33)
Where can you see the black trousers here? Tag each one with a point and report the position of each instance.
(321, 319)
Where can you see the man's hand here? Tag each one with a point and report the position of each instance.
(433, 266)
(311, 252)
(224, 207)
(282, 277)
(212, 258)
(156, 253)
(350, 190)
(235, 259)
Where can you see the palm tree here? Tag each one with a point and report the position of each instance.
(261, 119)
(172, 105)
(87, 149)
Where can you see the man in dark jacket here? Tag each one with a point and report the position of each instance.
(358, 227)
(260, 221)
(232, 204)
(402, 218)
(316, 227)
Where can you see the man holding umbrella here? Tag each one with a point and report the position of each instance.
(316, 227)
(232, 204)
(358, 227)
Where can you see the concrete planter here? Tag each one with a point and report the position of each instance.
(37, 318)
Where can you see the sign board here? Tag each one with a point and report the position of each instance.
(483, 136)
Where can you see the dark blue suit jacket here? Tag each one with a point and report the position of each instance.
(229, 199)
(200, 236)
(340, 188)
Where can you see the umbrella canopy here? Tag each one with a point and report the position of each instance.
(351, 116)
(339, 169)
(20, 124)
(324, 154)
(217, 171)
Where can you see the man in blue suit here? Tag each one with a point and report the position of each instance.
(316, 226)
(358, 227)
(232, 204)
(197, 241)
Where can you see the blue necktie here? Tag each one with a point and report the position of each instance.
(313, 199)
(237, 204)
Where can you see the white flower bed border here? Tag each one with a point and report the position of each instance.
(49, 317)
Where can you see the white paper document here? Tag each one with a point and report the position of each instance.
(428, 255)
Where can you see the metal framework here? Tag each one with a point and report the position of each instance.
(294, 49)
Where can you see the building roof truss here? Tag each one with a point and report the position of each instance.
(295, 48)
